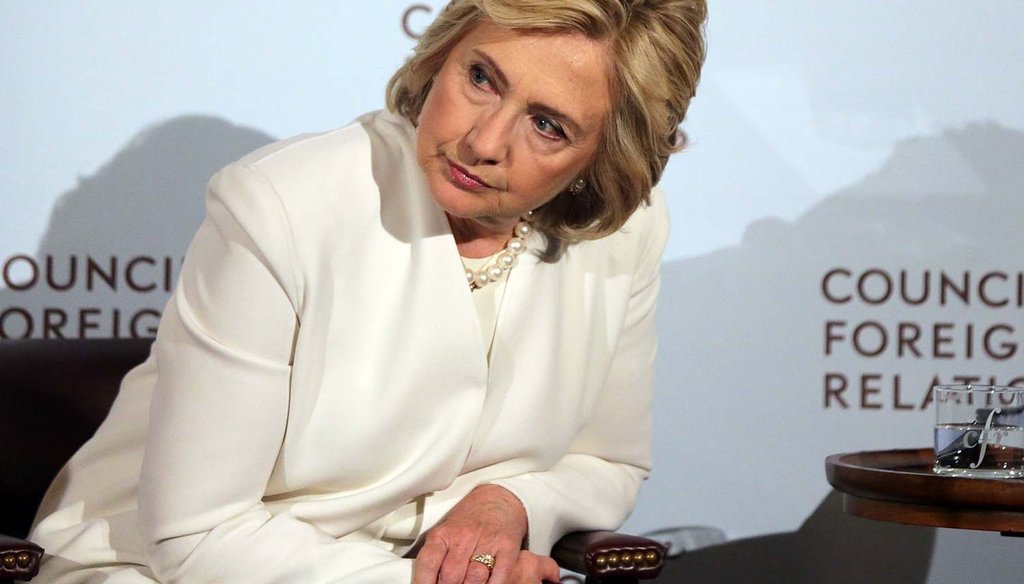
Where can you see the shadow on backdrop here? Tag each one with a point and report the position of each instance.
(114, 242)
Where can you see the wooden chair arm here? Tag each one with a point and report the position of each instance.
(19, 559)
(598, 555)
(609, 556)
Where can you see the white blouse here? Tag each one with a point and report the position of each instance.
(487, 300)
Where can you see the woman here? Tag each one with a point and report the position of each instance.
(334, 397)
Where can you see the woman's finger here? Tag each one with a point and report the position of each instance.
(457, 561)
(548, 569)
(477, 573)
(531, 568)
(427, 564)
(504, 562)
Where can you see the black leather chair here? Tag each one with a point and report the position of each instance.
(55, 393)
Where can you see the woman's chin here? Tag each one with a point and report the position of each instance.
(458, 202)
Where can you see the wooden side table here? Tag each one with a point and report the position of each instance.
(899, 486)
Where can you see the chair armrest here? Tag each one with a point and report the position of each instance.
(19, 559)
(601, 555)
(595, 554)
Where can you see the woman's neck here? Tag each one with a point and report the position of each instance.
(477, 240)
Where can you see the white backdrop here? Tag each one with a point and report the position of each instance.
(870, 141)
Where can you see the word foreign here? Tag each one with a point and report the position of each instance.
(80, 323)
(143, 274)
(940, 340)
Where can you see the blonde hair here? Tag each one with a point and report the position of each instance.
(657, 48)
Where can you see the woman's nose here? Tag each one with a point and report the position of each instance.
(488, 140)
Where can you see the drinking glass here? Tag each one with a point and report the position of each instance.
(979, 431)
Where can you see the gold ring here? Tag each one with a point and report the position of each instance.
(485, 559)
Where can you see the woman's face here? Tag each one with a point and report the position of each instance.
(511, 120)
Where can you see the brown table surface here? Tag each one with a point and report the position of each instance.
(899, 486)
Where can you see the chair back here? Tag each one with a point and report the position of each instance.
(53, 396)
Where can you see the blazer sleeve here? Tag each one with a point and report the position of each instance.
(220, 406)
(594, 486)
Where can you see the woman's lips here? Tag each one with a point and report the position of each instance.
(462, 178)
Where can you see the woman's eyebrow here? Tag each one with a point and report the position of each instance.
(565, 119)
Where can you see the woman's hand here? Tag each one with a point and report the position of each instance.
(489, 520)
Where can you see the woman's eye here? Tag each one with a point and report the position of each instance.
(548, 128)
(478, 76)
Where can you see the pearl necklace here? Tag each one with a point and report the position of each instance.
(504, 260)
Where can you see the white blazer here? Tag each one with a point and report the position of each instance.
(319, 395)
